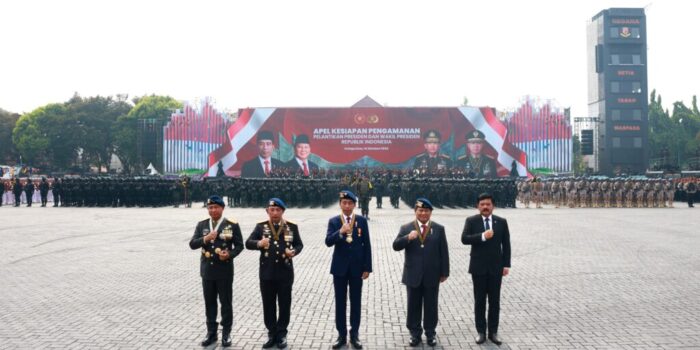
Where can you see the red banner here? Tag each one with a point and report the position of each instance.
(337, 137)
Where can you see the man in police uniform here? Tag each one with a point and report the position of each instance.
(279, 242)
(352, 263)
(432, 161)
(475, 163)
(220, 241)
(489, 262)
(427, 264)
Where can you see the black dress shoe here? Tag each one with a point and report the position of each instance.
(481, 338)
(210, 339)
(495, 339)
(339, 343)
(282, 343)
(226, 340)
(356, 343)
(414, 341)
(269, 343)
(432, 341)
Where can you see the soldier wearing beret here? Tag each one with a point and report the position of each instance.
(220, 242)
(278, 241)
(427, 264)
(263, 164)
(301, 164)
(348, 234)
(432, 161)
(475, 163)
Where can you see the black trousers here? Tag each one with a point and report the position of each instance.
(29, 198)
(365, 206)
(276, 293)
(379, 200)
(422, 301)
(224, 290)
(44, 198)
(341, 284)
(487, 286)
(691, 197)
(56, 199)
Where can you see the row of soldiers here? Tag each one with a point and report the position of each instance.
(601, 193)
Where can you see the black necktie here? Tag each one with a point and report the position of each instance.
(486, 224)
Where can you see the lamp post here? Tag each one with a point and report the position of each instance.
(678, 150)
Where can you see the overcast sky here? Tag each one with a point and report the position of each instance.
(326, 53)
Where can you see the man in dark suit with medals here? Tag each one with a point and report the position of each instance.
(278, 241)
(263, 164)
(432, 161)
(220, 241)
(427, 264)
(352, 263)
(489, 262)
(301, 164)
(475, 163)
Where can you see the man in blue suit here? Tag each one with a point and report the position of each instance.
(352, 262)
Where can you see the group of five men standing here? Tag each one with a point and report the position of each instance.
(426, 266)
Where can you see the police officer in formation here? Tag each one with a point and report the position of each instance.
(279, 242)
(44, 191)
(348, 234)
(427, 264)
(220, 241)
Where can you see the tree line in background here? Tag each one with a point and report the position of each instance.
(81, 133)
(84, 132)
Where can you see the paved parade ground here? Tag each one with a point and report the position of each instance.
(125, 278)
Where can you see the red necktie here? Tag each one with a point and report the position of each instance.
(423, 231)
(306, 169)
(267, 167)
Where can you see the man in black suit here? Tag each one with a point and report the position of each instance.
(427, 264)
(279, 242)
(263, 164)
(490, 261)
(220, 241)
(301, 163)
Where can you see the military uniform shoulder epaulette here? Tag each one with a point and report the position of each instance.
(445, 156)
(290, 222)
(232, 221)
(462, 157)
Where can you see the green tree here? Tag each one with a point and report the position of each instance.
(48, 136)
(154, 107)
(97, 116)
(8, 152)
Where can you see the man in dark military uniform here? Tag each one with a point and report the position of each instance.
(690, 189)
(29, 191)
(432, 161)
(220, 241)
(427, 264)
(44, 191)
(489, 262)
(17, 189)
(278, 241)
(475, 163)
(352, 263)
(364, 189)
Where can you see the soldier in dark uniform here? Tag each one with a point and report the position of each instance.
(278, 241)
(220, 241)
(17, 189)
(432, 161)
(690, 189)
(29, 191)
(364, 189)
(427, 264)
(352, 263)
(475, 163)
(378, 189)
(44, 191)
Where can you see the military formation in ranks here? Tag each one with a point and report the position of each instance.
(604, 192)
